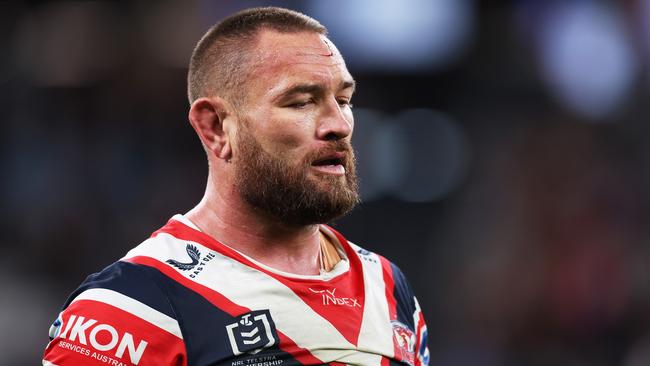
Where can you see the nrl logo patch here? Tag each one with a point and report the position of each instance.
(252, 332)
(194, 255)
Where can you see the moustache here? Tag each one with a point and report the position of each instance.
(338, 150)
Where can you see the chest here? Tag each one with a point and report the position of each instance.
(254, 318)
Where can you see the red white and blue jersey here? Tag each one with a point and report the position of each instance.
(183, 298)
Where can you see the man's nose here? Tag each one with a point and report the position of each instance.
(336, 123)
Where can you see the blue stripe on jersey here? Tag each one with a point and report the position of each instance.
(204, 326)
(404, 297)
(127, 279)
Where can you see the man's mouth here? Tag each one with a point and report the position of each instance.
(333, 163)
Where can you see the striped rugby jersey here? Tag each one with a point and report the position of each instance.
(183, 298)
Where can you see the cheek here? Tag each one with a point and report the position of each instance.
(290, 132)
(283, 132)
(287, 140)
(287, 145)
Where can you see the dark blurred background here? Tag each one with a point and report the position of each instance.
(503, 150)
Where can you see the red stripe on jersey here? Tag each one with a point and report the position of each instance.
(340, 300)
(95, 333)
(300, 354)
(223, 303)
(389, 281)
(419, 328)
(390, 287)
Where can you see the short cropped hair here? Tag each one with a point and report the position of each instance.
(219, 66)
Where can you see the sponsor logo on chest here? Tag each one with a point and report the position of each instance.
(329, 298)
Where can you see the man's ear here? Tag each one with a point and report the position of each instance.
(210, 118)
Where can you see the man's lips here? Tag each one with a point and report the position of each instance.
(331, 163)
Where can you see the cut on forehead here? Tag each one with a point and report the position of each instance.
(274, 48)
(303, 42)
(278, 61)
(268, 48)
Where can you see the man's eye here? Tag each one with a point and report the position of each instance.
(300, 104)
(345, 102)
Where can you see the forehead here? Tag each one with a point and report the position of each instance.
(287, 57)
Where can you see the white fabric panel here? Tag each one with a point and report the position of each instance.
(134, 307)
(376, 329)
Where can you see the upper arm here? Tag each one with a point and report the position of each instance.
(408, 312)
(117, 315)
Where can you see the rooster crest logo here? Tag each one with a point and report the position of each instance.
(194, 254)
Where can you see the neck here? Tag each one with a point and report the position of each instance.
(224, 216)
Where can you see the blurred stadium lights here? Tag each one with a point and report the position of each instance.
(67, 44)
(417, 156)
(639, 354)
(643, 17)
(437, 155)
(408, 35)
(171, 30)
(380, 154)
(587, 58)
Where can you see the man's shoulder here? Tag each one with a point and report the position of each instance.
(121, 283)
(122, 302)
(126, 282)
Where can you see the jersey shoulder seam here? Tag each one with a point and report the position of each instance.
(160, 288)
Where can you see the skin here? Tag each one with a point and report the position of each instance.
(298, 97)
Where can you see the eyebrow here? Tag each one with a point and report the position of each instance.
(316, 89)
(347, 84)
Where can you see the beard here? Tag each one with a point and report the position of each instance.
(287, 193)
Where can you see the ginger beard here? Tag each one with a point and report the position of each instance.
(289, 193)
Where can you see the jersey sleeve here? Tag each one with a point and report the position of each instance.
(116, 317)
(409, 327)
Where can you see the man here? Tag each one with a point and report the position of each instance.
(251, 276)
